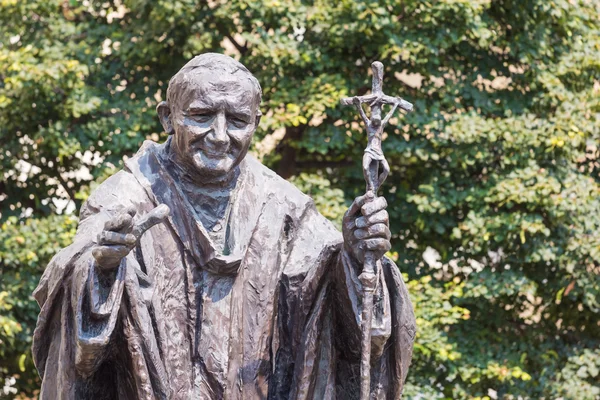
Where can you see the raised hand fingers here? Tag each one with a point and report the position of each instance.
(373, 231)
(380, 217)
(123, 222)
(111, 238)
(115, 241)
(108, 257)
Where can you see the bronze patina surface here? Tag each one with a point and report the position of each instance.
(198, 273)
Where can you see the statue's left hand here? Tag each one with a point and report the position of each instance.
(366, 227)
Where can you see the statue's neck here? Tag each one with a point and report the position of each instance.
(210, 199)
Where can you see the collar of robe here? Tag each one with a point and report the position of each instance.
(149, 170)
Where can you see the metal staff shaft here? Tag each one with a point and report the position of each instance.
(375, 171)
(368, 278)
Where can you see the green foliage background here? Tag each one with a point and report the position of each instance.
(494, 176)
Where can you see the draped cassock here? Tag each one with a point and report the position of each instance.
(274, 315)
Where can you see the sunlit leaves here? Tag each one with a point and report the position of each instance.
(496, 167)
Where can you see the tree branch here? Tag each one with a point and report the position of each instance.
(287, 164)
(225, 32)
(66, 187)
(242, 49)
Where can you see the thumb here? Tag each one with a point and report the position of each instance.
(360, 201)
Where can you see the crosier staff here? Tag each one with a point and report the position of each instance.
(375, 171)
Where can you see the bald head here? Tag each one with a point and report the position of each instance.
(211, 64)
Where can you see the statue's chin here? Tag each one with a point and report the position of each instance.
(212, 167)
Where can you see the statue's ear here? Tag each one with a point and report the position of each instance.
(164, 115)
(258, 115)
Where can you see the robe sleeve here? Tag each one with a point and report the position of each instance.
(348, 294)
(80, 309)
(98, 304)
(319, 311)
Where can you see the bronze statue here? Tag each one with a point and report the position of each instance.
(198, 273)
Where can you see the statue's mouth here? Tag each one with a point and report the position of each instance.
(215, 154)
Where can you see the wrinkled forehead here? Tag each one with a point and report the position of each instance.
(213, 88)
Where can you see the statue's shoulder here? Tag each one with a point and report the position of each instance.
(273, 185)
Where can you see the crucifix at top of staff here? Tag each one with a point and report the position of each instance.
(375, 171)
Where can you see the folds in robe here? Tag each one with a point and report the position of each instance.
(275, 315)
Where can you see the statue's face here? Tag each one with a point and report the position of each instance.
(214, 120)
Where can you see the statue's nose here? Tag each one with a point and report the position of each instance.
(219, 136)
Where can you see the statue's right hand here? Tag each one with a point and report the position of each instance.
(115, 241)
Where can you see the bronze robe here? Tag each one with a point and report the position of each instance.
(274, 317)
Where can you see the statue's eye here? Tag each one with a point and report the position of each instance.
(202, 117)
(238, 122)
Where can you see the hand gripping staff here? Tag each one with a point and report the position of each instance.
(375, 170)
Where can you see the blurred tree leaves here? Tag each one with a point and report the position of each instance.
(496, 171)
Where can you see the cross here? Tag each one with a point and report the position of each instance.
(375, 171)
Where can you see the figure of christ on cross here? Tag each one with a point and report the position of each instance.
(243, 291)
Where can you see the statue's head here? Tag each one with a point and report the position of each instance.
(212, 109)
